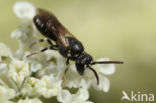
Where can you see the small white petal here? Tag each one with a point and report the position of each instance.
(103, 85)
(16, 34)
(106, 69)
(28, 88)
(18, 70)
(4, 51)
(74, 80)
(48, 86)
(82, 94)
(64, 96)
(35, 66)
(80, 97)
(6, 94)
(3, 68)
(24, 9)
(27, 100)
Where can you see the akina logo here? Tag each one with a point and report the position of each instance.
(137, 97)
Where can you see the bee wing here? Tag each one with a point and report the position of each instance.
(55, 27)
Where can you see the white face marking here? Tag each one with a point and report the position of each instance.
(69, 55)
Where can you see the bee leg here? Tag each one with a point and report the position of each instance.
(50, 43)
(37, 52)
(67, 61)
(65, 72)
(52, 46)
(41, 40)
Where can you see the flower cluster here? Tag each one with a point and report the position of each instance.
(38, 79)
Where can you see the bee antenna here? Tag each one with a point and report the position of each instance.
(107, 62)
(95, 73)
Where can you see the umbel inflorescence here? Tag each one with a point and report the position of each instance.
(39, 78)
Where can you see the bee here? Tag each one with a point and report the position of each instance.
(61, 40)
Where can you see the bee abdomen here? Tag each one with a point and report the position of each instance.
(42, 26)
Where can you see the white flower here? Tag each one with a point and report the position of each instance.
(35, 66)
(105, 69)
(27, 100)
(16, 34)
(60, 61)
(48, 86)
(6, 94)
(29, 87)
(3, 68)
(26, 33)
(56, 65)
(104, 84)
(80, 97)
(73, 79)
(4, 51)
(18, 70)
(24, 9)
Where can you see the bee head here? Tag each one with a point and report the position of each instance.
(83, 61)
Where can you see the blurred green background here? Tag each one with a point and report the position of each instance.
(119, 29)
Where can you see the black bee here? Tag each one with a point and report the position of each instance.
(66, 43)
